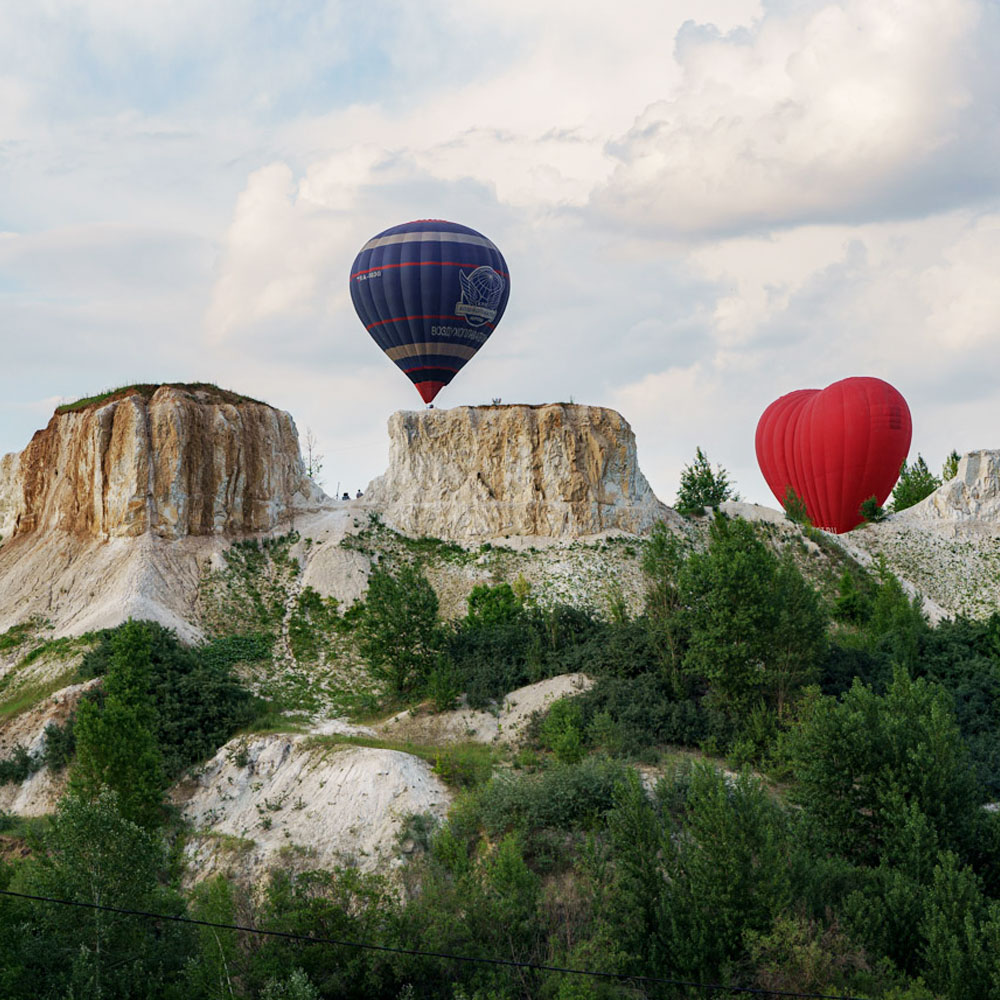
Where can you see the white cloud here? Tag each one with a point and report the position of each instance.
(832, 110)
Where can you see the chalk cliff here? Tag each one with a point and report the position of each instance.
(972, 496)
(113, 508)
(180, 462)
(475, 473)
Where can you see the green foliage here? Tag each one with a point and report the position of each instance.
(661, 564)
(116, 746)
(689, 889)
(629, 715)
(492, 606)
(795, 507)
(344, 904)
(295, 986)
(398, 632)
(916, 481)
(701, 487)
(755, 628)
(561, 730)
(858, 761)
(950, 468)
(871, 512)
(563, 797)
(18, 767)
(197, 703)
(312, 619)
(530, 644)
(92, 854)
(852, 605)
(464, 765)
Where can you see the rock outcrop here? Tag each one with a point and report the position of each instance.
(179, 463)
(973, 495)
(476, 473)
(300, 798)
(113, 509)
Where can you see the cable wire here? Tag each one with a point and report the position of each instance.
(511, 963)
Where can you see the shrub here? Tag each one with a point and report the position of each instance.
(701, 487)
(915, 483)
(197, 701)
(564, 797)
(398, 631)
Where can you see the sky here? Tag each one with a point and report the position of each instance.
(704, 204)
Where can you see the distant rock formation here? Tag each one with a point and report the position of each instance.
(475, 473)
(182, 462)
(972, 496)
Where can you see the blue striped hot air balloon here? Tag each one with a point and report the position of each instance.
(430, 293)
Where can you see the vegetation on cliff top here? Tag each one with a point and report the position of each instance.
(146, 390)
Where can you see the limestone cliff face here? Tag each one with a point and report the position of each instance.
(475, 473)
(180, 463)
(972, 496)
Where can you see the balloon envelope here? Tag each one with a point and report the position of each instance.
(835, 447)
(430, 293)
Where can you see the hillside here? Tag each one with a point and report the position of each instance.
(454, 695)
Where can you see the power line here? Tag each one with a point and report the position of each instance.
(291, 936)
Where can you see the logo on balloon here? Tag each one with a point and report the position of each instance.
(482, 290)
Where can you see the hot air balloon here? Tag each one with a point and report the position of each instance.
(430, 293)
(835, 447)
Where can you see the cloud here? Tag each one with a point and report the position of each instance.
(908, 301)
(826, 112)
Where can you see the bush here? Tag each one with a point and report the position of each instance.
(565, 797)
(398, 631)
(871, 512)
(198, 703)
(18, 767)
(701, 487)
(494, 658)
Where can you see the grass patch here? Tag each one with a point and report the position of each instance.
(23, 828)
(146, 390)
(17, 635)
(21, 699)
(462, 765)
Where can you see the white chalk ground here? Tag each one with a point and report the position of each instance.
(268, 799)
(469, 725)
(306, 802)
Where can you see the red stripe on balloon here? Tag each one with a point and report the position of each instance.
(428, 263)
(406, 319)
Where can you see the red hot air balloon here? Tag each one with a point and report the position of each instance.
(835, 447)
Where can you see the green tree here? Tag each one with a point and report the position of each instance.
(795, 507)
(95, 854)
(916, 481)
(662, 560)
(950, 468)
(871, 511)
(688, 890)
(754, 626)
(862, 760)
(701, 487)
(116, 746)
(851, 605)
(399, 635)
